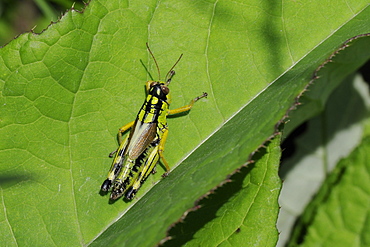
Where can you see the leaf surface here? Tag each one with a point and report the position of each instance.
(66, 92)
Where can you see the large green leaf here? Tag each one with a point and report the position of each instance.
(66, 92)
(243, 210)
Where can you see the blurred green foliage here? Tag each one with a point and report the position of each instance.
(17, 17)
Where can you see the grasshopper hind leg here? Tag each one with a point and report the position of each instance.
(131, 193)
(106, 185)
(118, 159)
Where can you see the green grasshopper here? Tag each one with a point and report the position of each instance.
(139, 152)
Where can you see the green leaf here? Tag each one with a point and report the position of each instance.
(329, 137)
(341, 64)
(243, 210)
(66, 92)
(342, 205)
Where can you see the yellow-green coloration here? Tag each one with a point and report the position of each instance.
(139, 152)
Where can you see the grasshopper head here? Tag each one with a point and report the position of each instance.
(159, 89)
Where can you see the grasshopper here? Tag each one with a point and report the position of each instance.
(137, 155)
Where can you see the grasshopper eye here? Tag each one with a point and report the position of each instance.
(165, 89)
(153, 83)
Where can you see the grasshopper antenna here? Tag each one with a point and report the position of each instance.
(155, 61)
(171, 72)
